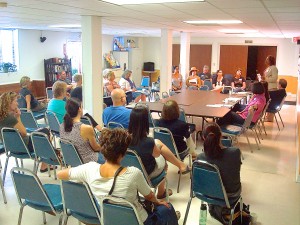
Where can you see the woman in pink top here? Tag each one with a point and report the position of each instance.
(239, 112)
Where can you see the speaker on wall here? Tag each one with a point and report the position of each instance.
(149, 66)
(43, 39)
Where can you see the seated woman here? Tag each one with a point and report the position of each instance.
(111, 84)
(176, 79)
(128, 85)
(128, 183)
(240, 112)
(10, 117)
(153, 153)
(228, 161)
(31, 102)
(179, 129)
(218, 81)
(193, 80)
(239, 83)
(81, 135)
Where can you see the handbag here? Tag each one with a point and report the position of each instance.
(149, 206)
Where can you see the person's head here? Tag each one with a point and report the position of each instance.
(257, 88)
(193, 71)
(205, 69)
(78, 79)
(73, 109)
(282, 84)
(63, 75)
(212, 138)
(127, 74)
(25, 82)
(138, 123)
(219, 73)
(238, 73)
(170, 110)
(111, 76)
(59, 89)
(270, 60)
(176, 69)
(104, 73)
(118, 97)
(114, 144)
(9, 103)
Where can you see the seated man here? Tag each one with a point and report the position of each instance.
(118, 112)
(63, 78)
(205, 75)
(276, 96)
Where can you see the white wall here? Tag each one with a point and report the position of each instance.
(151, 51)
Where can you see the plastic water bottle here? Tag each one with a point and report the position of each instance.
(203, 214)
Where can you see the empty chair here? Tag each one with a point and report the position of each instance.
(204, 88)
(87, 121)
(70, 154)
(126, 211)
(208, 84)
(84, 206)
(112, 125)
(29, 121)
(165, 95)
(14, 146)
(44, 151)
(30, 191)
(227, 90)
(49, 93)
(145, 83)
(207, 185)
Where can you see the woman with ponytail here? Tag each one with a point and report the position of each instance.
(81, 135)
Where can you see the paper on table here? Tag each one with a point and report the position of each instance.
(215, 105)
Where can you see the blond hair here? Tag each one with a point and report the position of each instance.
(77, 77)
(5, 101)
(59, 88)
(24, 81)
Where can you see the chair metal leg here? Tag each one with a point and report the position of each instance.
(49, 173)
(21, 213)
(179, 178)
(280, 119)
(3, 191)
(257, 135)
(263, 125)
(187, 211)
(5, 169)
(248, 142)
(66, 219)
(60, 219)
(22, 164)
(276, 121)
(54, 171)
(44, 218)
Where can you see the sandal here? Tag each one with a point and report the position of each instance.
(164, 195)
(46, 170)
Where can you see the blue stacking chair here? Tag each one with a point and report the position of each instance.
(208, 84)
(79, 202)
(192, 127)
(22, 104)
(165, 95)
(131, 158)
(166, 137)
(207, 185)
(204, 88)
(277, 110)
(14, 146)
(145, 83)
(49, 93)
(29, 121)
(112, 125)
(53, 124)
(126, 211)
(70, 154)
(44, 151)
(108, 101)
(30, 191)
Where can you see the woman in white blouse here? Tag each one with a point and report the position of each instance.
(271, 72)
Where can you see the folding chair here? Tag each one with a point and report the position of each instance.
(207, 185)
(70, 154)
(165, 95)
(53, 124)
(131, 158)
(22, 104)
(204, 88)
(208, 84)
(49, 93)
(277, 110)
(108, 101)
(44, 151)
(14, 146)
(80, 203)
(166, 137)
(126, 211)
(29, 121)
(112, 125)
(263, 115)
(193, 88)
(30, 191)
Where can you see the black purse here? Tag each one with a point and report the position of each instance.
(149, 206)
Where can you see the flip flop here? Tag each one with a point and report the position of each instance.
(46, 170)
(170, 192)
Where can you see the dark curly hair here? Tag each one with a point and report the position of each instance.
(114, 143)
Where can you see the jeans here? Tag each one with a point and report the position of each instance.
(162, 216)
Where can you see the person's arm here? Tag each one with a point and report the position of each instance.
(244, 86)
(87, 132)
(20, 126)
(28, 99)
(64, 174)
(187, 82)
(156, 150)
(109, 87)
(232, 85)
(151, 197)
(199, 82)
(78, 173)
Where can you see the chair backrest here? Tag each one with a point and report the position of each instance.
(52, 121)
(226, 89)
(193, 88)
(28, 186)
(204, 88)
(85, 120)
(126, 212)
(182, 116)
(248, 119)
(228, 78)
(80, 202)
(108, 101)
(166, 137)
(145, 81)
(70, 153)
(226, 142)
(112, 125)
(49, 92)
(13, 142)
(281, 104)
(164, 95)
(21, 102)
(43, 148)
(28, 119)
(207, 184)
(156, 97)
(208, 84)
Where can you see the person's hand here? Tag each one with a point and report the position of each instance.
(17, 112)
(238, 112)
(161, 202)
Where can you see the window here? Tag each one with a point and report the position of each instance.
(9, 51)
(74, 52)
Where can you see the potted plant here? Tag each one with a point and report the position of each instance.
(8, 67)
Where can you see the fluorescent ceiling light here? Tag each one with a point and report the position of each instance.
(237, 31)
(213, 21)
(136, 2)
(66, 26)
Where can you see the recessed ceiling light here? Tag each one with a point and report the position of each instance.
(237, 31)
(208, 22)
(135, 2)
(66, 26)
(3, 4)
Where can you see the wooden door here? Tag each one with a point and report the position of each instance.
(233, 57)
(200, 55)
(262, 53)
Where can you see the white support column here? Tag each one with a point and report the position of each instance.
(185, 45)
(166, 60)
(215, 63)
(91, 66)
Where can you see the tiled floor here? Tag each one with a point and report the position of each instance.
(268, 181)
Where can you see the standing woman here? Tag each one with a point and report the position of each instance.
(271, 72)
(176, 79)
